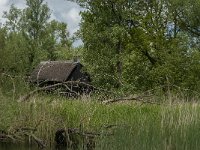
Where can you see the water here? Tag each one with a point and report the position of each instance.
(8, 146)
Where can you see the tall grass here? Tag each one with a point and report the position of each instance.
(122, 125)
(163, 128)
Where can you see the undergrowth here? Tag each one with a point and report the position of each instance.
(131, 125)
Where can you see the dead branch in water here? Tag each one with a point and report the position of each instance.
(4, 136)
(23, 132)
(38, 141)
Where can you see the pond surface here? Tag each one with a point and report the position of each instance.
(8, 146)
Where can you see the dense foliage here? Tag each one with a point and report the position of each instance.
(135, 45)
(29, 36)
(128, 45)
(141, 44)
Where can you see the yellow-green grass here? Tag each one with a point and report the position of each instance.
(134, 126)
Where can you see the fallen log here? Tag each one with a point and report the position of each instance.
(23, 132)
(137, 99)
(26, 97)
(41, 144)
(66, 85)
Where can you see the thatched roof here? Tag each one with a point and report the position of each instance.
(58, 71)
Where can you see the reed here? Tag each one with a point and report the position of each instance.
(120, 125)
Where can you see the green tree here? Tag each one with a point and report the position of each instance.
(31, 33)
(104, 31)
(34, 21)
(187, 15)
(15, 54)
(13, 19)
(56, 40)
(3, 33)
(138, 43)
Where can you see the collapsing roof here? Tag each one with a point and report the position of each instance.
(49, 73)
(57, 71)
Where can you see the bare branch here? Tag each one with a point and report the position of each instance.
(138, 99)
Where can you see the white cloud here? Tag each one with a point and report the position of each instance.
(3, 7)
(62, 10)
(72, 18)
(3, 2)
(74, 15)
(53, 17)
(66, 11)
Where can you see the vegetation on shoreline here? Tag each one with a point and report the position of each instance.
(129, 47)
(119, 125)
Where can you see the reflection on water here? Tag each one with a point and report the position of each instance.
(8, 146)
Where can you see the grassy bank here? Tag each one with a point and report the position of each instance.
(119, 126)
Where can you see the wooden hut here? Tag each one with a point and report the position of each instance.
(53, 72)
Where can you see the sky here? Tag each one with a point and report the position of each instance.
(62, 10)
